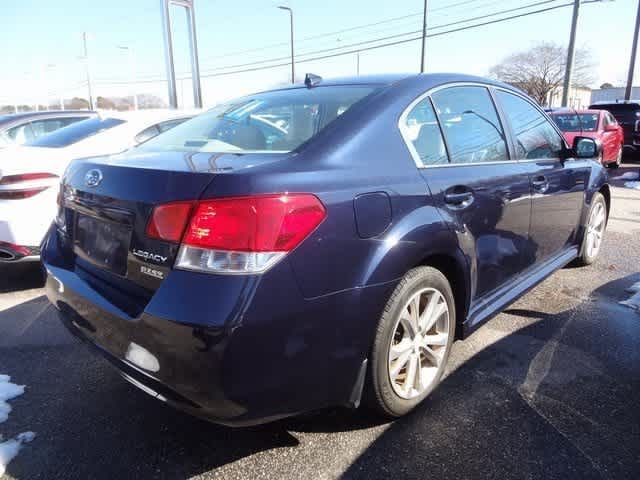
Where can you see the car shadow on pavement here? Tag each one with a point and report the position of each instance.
(15, 277)
(555, 399)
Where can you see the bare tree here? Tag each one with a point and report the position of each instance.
(540, 70)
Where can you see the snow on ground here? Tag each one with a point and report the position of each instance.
(629, 176)
(635, 185)
(10, 448)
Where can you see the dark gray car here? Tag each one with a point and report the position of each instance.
(21, 128)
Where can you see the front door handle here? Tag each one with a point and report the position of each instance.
(458, 199)
(540, 184)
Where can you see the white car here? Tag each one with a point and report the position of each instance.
(30, 174)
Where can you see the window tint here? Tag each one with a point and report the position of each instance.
(470, 125)
(46, 126)
(570, 122)
(421, 129)
(535, 137)
(76, 132)
(280, 121)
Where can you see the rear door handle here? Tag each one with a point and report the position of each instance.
(458, 199)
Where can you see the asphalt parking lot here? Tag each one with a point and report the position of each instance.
(548, 389)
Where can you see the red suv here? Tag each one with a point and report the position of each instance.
(597, 124)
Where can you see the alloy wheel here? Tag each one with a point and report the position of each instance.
(419, 343)
(595, 229)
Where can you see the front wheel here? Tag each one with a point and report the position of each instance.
(594, 233)
(412, 342)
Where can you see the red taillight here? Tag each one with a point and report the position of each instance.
(168, 221)
(269, 223)
(237, 235)
(16, 187)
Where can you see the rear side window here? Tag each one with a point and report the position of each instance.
(422, 133)
(76, 132)
(46, 126)
(21, 134)
(534, 135)
(470, 124)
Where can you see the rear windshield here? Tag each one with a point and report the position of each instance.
(276, 121)
(75, 132)
(570, 122)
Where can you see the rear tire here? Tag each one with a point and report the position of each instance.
(618, 161)
(412, 343)
(594, 231)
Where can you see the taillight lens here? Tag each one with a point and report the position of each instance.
(16, 187)
(168, 221)
(241, 235)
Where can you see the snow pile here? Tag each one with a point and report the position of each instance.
(634, 185)
(634, 301)
(10, 448)
(8, 391)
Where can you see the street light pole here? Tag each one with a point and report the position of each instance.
(424, 36)
(632, 62)
(293, 71)
(87, 69)
(132, 71)
(571, 53)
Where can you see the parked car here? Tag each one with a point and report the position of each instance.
(627, 115)
(243, 278)
(30, 174)
(19, 128)
(596, 124)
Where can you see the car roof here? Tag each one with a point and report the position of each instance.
(24, 116)
(426, 80)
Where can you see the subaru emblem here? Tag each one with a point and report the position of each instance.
(93, 178)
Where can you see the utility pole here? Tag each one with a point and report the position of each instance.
(293, 70)
(632, 61)
(571, 53)
(87, 69)
(424, 36)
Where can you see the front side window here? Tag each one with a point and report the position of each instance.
(470, 125)
(420, 129)
(277, 121)
(535, 137)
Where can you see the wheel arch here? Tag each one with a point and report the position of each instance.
(453, 267)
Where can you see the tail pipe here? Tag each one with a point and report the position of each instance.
(14, 253)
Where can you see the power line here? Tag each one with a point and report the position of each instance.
(381, 39)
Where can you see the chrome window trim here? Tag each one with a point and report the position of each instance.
(416, 157)
(414, 153)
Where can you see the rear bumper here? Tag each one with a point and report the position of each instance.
(234, 350)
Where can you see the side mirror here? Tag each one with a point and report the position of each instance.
(584, 147)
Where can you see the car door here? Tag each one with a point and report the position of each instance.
(611, 137)
(558, 185)
(462, 150)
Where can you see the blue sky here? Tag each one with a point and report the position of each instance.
(42, 41)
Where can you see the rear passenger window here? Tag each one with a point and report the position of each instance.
(470, 124)
(535, 137)
(421, 131)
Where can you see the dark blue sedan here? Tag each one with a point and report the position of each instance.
(319, 245)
